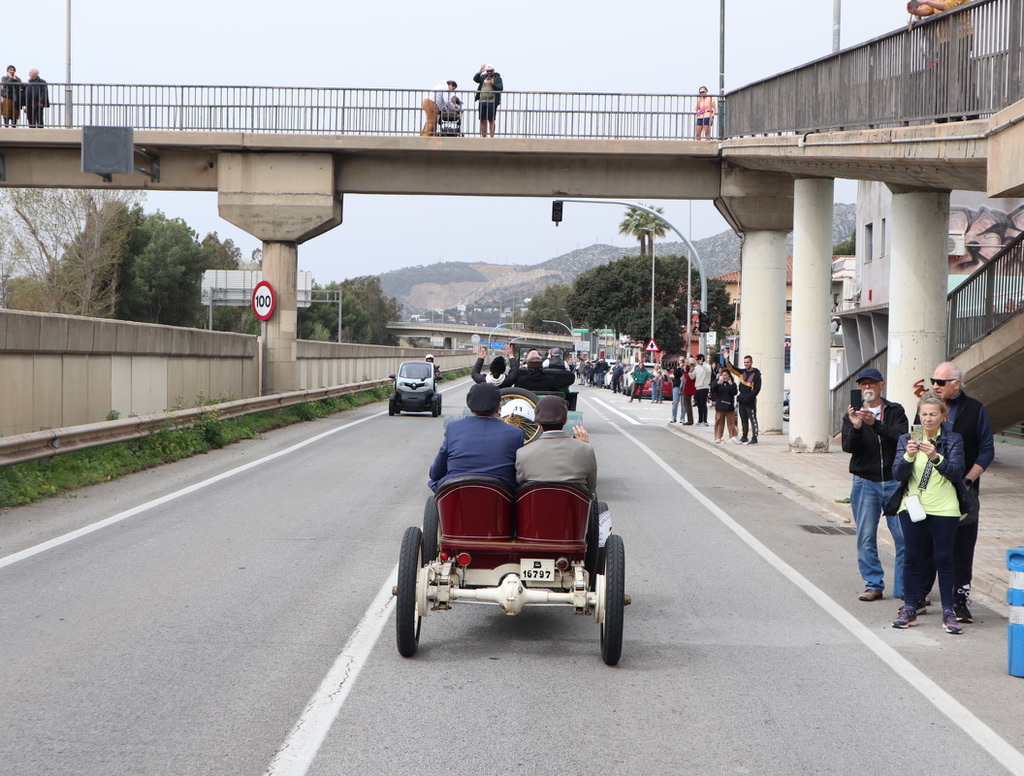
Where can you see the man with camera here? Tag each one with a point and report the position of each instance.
(871, 429)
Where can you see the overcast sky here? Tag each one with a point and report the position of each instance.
(660, 46)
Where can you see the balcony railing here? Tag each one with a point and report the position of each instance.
(377, 112)
(960, 64)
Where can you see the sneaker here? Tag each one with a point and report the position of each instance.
(753, 441)
(905, 617)
(949, 622)
(921, 607)
(871, 595)
(672, 421)
(960, 602)
(718, 441)
(743, 440)
(735, 441)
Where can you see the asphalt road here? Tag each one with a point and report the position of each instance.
(231, 615)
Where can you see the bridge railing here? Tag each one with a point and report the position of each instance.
(987, 299)
(377, 112)
(959, 64)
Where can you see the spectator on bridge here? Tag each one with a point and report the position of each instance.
(870, 434)
(930, 469)
(11, 97)
(924, 8)
(36, 98)
(481, 444)
(433, 105)
(706, 110)
(501, 374)
(488, 94)
(969, 419)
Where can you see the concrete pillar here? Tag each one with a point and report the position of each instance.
(812, 313)
(280, 269)
(763, 319)
(283, 199)
(917, 291)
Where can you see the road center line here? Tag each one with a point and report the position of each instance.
(983, 735)
(86, 530)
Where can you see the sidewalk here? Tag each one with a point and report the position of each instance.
(824, 478)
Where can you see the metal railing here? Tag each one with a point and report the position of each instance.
(959, 64)
(46, 444)
(987, 299)
(377, 112)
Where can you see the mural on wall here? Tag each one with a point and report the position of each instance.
(985, 230)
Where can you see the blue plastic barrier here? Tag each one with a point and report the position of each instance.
(1015, 598)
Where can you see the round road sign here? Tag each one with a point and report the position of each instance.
(264, 300)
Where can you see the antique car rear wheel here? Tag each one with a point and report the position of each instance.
(431, 530)
(614, 599)
(407, 619)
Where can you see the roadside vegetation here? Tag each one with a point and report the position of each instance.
(38, 480)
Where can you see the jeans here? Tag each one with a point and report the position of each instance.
(675, 401)
(867, 499)
(940, 533)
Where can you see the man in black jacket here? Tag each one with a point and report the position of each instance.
(870, 434)
(746, 401)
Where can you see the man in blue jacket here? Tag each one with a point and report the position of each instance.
(870, 434)
(482, 444)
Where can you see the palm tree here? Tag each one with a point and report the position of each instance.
(644, 226)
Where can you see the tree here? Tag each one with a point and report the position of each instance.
(847, 247)
(64, 246)
(644, 226)
(548, 305)
(365, 313)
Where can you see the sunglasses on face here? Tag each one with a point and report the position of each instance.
(937, 381)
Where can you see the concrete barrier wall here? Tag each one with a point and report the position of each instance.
(62, 370)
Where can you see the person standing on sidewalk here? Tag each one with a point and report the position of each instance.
(970, 420)
(689, 391)
(870, 434)
(677, 389)
(702, 379)
(749, 387)
(724, 395)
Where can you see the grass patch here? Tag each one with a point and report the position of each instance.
(25, 483)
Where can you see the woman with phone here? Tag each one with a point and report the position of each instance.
(931, 464)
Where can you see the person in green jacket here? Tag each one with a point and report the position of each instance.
(488, 94)
(640, 378)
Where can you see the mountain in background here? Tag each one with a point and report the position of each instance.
(445, 285)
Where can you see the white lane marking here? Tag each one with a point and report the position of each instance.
(86, 530)
(610, 408)
(983, 735)
(304, 741)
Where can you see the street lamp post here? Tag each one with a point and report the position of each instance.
(689, 245)
(573, 348)
(650, 243)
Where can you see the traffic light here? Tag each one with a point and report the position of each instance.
(703, 322)
(556, 211)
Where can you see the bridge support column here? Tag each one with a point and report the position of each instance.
(283, 199)
(763, 319)
(917, 291)
(759, 205)
(809, 424)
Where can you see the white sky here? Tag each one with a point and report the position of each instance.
(660, 46)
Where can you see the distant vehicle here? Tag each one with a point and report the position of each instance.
(415, 389)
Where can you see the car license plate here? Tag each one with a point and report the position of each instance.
(537, 570)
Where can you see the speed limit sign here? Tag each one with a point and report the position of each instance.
(264, 300)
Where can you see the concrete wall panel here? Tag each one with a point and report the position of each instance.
(47, 388)
(16, 394)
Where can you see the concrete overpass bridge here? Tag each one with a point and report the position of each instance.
(286, 186)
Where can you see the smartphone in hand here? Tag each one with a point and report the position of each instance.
(856, 399)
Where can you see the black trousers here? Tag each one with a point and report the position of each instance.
(748, 419)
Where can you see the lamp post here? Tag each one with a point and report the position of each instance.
(67, 80)
(689, 245)
(573, 348)
(650, 242)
